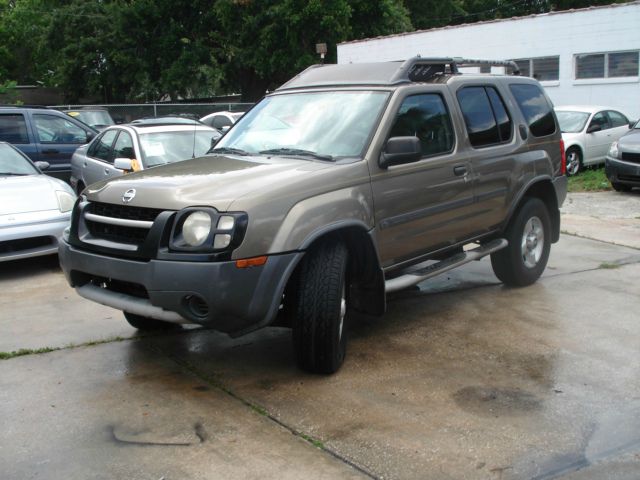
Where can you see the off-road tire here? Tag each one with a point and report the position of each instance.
(148, 324)
(516, 265)
(319, 308)
(620, 187)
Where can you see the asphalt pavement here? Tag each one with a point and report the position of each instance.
(462, 378)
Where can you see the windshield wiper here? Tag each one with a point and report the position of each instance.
(297, 152)
(236, 151)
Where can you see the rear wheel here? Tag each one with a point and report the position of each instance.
(574, 161)
(529, 236)
(146, 323)
(620, 187)
(320, 308)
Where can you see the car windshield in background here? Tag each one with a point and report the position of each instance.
(93, 118)
(12, 163)
(571, 122)
(159, 148)
(324, 125)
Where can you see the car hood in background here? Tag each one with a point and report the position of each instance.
(214, 180)
(630, 141)
(29, 193)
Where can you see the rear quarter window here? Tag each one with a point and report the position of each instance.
(535, 108)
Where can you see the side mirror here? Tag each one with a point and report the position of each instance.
(632, 123)
(399, 150)
(594, 128)
(42, 165)
(123, 164)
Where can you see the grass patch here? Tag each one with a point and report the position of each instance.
(34, 351)
(313, 441)
(589, 180)
(609, 266)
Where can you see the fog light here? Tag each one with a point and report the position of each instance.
(197, 306)
(221, 241)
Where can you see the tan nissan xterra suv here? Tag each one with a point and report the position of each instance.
(348, 182)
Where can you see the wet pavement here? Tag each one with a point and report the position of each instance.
(462, 378)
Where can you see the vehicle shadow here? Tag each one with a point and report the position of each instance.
(28, 267)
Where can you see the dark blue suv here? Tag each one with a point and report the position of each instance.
(44, 134)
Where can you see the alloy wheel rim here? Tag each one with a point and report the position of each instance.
(532, 242)
(573, 163)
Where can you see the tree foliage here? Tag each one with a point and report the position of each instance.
(139, 50)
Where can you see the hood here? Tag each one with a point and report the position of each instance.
(213, 180)
(630, 141)
(29, 193)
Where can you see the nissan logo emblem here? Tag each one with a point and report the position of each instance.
(129, 195)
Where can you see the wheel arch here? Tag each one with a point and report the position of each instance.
(543, 189)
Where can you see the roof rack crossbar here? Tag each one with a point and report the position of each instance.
(419, 69)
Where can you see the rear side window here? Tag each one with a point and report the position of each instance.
(426, 117)
(617, 119)
(535, 107)
(485, 116)
(220, 121)
(101, 148)
(13, 128)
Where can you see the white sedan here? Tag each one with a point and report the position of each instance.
(587, 132)
(34, 208)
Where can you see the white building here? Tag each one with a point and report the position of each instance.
(585, 56)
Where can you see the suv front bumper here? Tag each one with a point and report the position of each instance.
(216, 294)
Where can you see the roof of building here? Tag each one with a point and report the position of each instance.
(498, 20)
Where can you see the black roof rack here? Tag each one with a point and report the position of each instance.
(416, 69)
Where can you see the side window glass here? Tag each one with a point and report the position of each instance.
(601, 120)
(500, 113)
(221, 121)
(617, 119)
(478, 116)
(535, 108)
(53, 129)
(426, 117)
(124, 147)
(13, 128)
(102, 148)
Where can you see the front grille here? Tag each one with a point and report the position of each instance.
(124, 234)
(631, 157)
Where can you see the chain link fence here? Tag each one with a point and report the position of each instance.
(125, 113)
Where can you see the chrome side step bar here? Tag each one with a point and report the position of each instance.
(417, 275)
(128, 303)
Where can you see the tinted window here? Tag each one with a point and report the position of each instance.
(500, 113)
(425, 117)
(124, 146)
(535, 108)
(617, 119)
(13, 128)
(53, 129)
(102, 146)
(220, 121)
(478, 116)
(600, 119)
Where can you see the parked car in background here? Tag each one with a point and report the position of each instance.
(34, 208)
(44, 134)
(588, 132)
(221, 121)
(123, 148)
(168, 119)
(98, 118)
(622, 165)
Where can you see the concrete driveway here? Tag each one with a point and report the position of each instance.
(462, 378)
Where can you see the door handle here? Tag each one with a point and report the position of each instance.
(50, 151)
(460, 170)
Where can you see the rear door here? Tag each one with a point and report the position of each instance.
(598, 143)
(425, 204)
(619, 124)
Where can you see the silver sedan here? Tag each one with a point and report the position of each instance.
(34, 208)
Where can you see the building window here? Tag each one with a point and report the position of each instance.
(541, 68)
(607, 65)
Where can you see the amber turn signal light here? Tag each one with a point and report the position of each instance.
(251, 262)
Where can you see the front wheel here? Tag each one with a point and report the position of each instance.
(148, 324)
(320, 308)
(574, 161)
(529, 236)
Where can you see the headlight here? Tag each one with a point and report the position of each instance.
(196, 228)
(65, 201)
(613, 150)
(226, 222)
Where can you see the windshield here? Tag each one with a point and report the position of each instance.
(93, 117)
(159, 148)
(571, 122)
(12, 163)
(324, 124)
